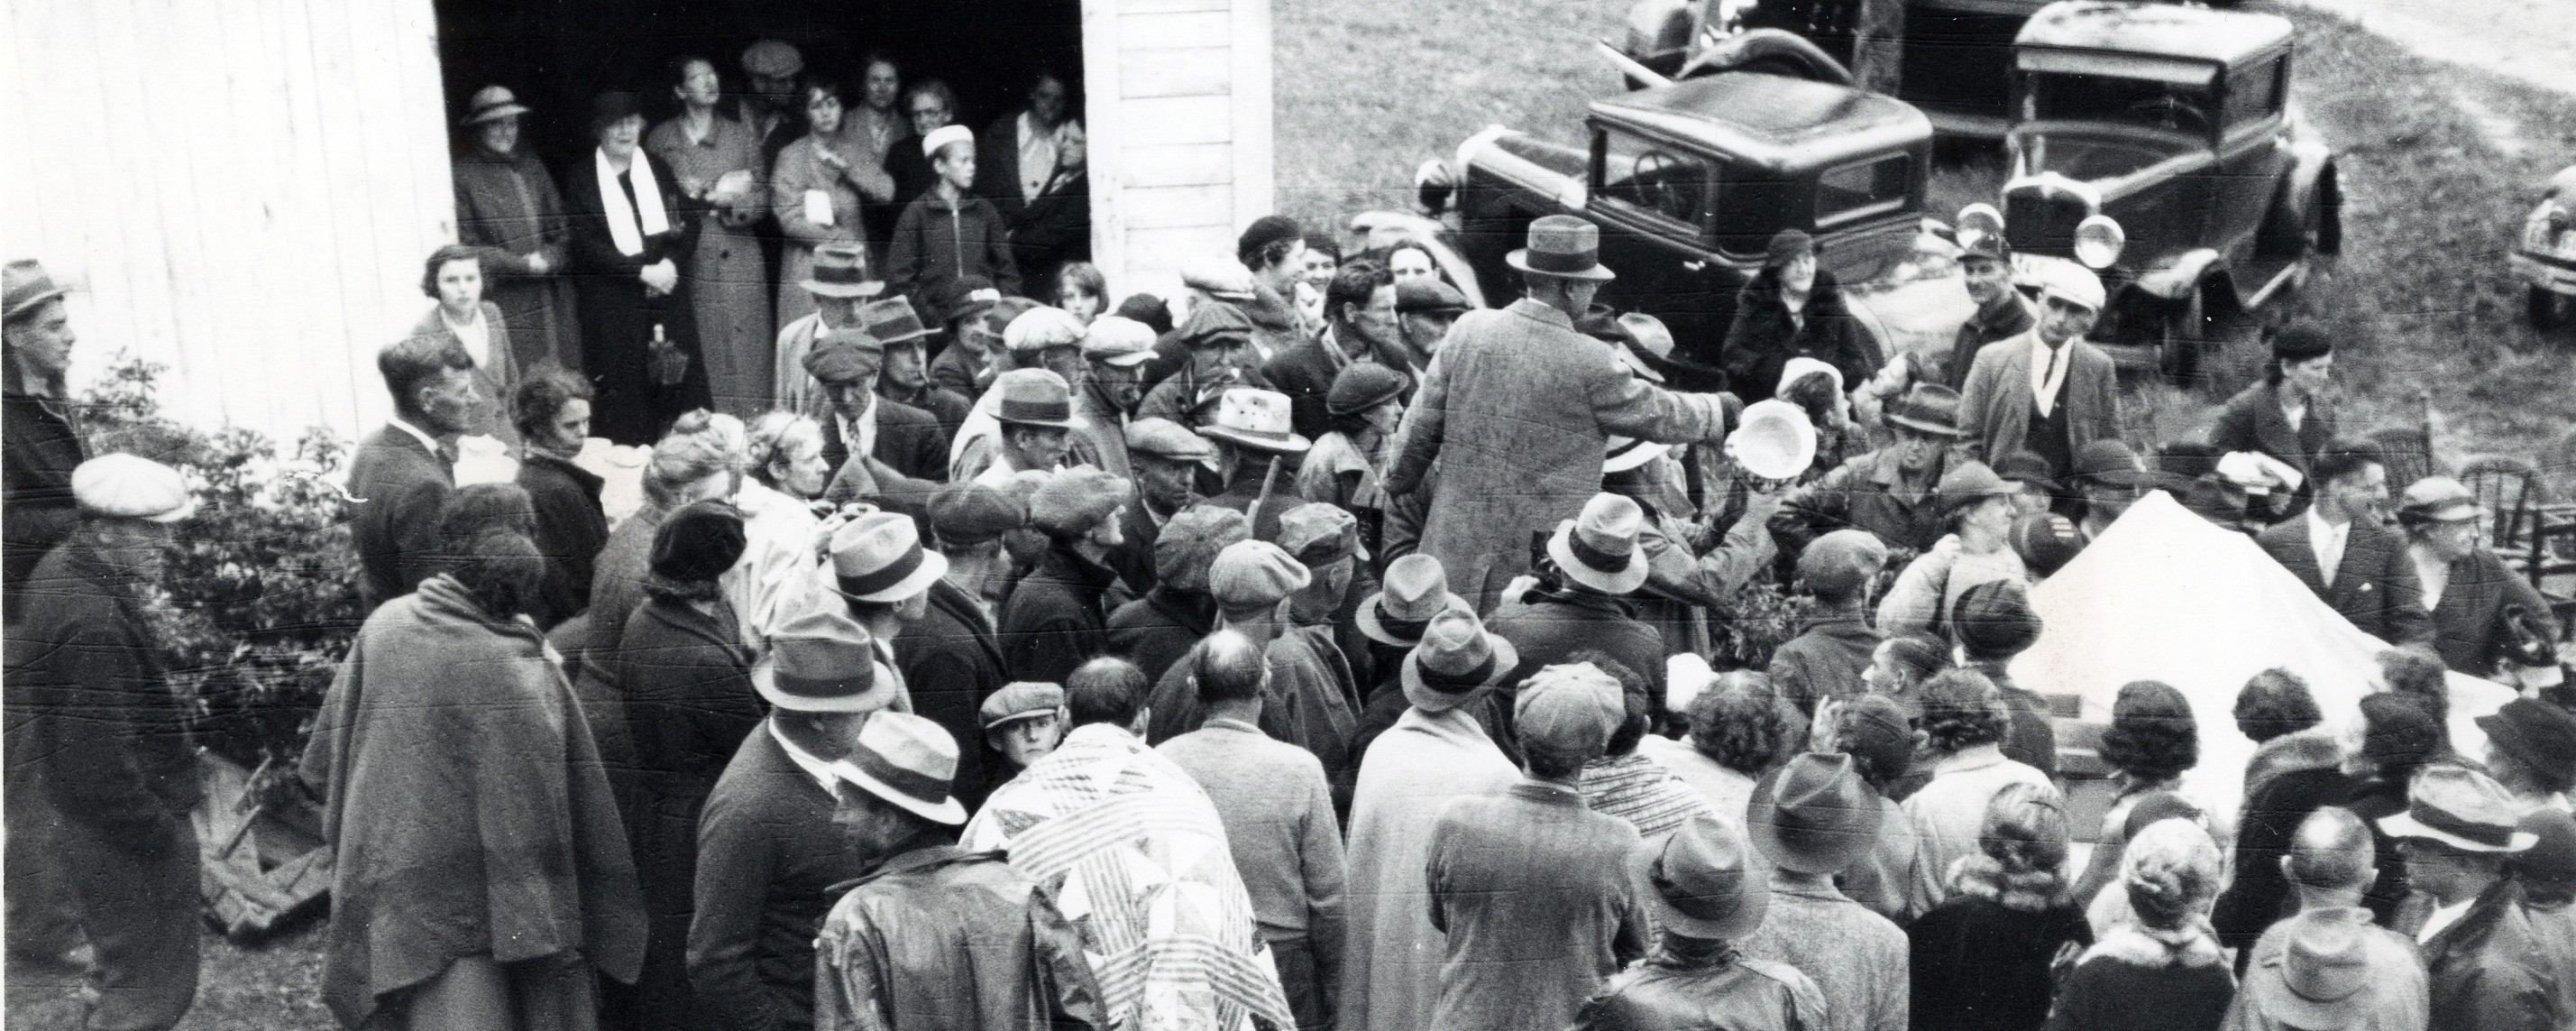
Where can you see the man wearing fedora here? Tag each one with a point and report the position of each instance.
(1892, 492)
(1308, 701)
(1435, 752)
(1033, 413)
(1813, 818)
(1530, 886)
(2326, 966)
(1706, 891)
(1279, 822)
(935, 937)
(38, 448)
(1057, 617)
(2458, 834)
(948, 655)
(2467, 588)
(840, 286)
(1392, 620)
(508, 210)
(1039, 339)
(2046, 391)
(884, 575)
(846, 364)
(1518, 411)
(1583, 599)
(100, 744)
(1359, 328)
(1156, 630)
(1163, 459)
(767, 850)
(1257, 448)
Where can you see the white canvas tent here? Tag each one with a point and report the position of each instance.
(2165, 595)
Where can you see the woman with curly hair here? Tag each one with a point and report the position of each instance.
(2151, 741)
(1981, 960)
(1739, 729)
(2296, 769)
(1964, 722)
(2164, 970)
(780, 576)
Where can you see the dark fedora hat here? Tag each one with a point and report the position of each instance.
(841, 270)
(1562, 245)
(1814, 814)
(1700, 882)
(1926, 408)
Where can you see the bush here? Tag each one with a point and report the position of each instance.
(260, 597)
(1757, 621)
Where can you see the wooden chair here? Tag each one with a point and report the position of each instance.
(2532, 535)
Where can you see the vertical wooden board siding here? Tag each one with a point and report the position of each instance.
(1252, 58)
(1109, 149)
(1155, 121)
(1191, 30)
(1191, 72)
(1172, 6)
(1177, 206)
(1186, 164)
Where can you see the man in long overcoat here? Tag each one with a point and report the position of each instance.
(1516, 411)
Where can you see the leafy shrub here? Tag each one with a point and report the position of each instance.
(1758, 620)
(260, 597)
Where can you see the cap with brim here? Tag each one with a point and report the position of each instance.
(125, 486)
(907, 761)
(1033, 397)
(1457, 661)
(2320, 978)
(823, 662)
(2438, 499)
(1428, 295)
(1969, 482)
(1813, 814)
(2536, 732)
(1257, 419)
(1700, 883)
(1019, 702)
(2111, 462)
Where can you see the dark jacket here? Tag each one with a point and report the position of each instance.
(1979, 966)
(617, 318)
(1133, 558)
(908, 439)
(1825, 660)
(1305, 372)
(38, 451)
(507, 208)
(570, 531)
(2374, 585)
(768, 858)
(1156, 630)
(1246, 489)
(2009, 316)
(1053, 621)
(1547, 627)
(2468, 622)
(943, 404)
(2487, 970)
(936, 243)
(941, 939)
(1861, 495)
(997, 165)
(1054, 229)
(2374, 799)
(91, 723)
(401, 484)
(1747, 994)
(2299, 774)
(1763, 337)
(2252, 421)
(2030, 739)
(952, 662)
(2111, 992)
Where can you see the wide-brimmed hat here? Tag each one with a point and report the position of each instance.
(1025, 700)
(1926, 408)
(2110, 460)
(2537, 733)
(1966, 483)
(2438, 499)
(822, 661)
(1621, 454)
(1814, 814)
(909, 762)
(1415, 589)
(2320, 978)
(24, 284)
(891, 321)
(1702, 882)
(1598, 547)
(1257, 419)
(1562, 245)
(1032, 397)
(878, 557)
(841, 270)
(126, 486)
(492, 103)
(1774, 440)
(2462, 808)
(1456, 661)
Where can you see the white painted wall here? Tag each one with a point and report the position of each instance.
(1179, 112)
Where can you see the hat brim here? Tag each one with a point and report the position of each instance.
(1124, 360)
(2118, 477)
(933, 566)
(1598, 273)
(1753, 904)
(1374, 629)
(1637, 363)
(2272, 992)
(1022, 716)
(1291, 444)
(949, 811)
(1921, 426)
(498, 113)
(880, 693)
(1421, 696)
(869, 288)
(1633, 457)
(27, 304)
(1061, 424)
(1763, 829)
(2405, 825)
(1625, 581)
(2457, 512)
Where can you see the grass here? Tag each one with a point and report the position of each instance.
(2440, 163)
(272, 987)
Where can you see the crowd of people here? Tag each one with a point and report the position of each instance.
(1319, 651)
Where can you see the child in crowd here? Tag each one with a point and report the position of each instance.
(948, 233)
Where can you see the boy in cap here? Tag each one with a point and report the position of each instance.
(1022, 723)
(1362, 412)
(1055, 619)
(1835, 644)
(949, 233)
(1531, 887)
(1156, 630)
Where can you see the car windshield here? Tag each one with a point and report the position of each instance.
(2092, 156)
(1656, 177)
(2143, 103)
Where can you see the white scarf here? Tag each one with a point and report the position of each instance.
(622, 224)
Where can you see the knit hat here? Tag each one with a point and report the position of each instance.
(1361, 386)
(1077, 499)
(1264, 231)
(1040, 328)
(1319, 534)
(1118, 340)
(2301, 343)
(1027, 699)
(1839, 562)
(2397, 734)
(1190, 542)
(1250, 574)
(698, 542)
(1995, 619)
(126, 486)
(1787, 245)
(1163, 438)
(963, 515)
(1571, 710)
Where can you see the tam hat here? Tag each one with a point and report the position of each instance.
(493, 103)
(1165, 439)
(2321, 976)
(1222, 278)
(1969, 482)
(963, 515)
(1361, 386)
(2025, 468)
(891, 321)
(1040, 328)
(1702, 882)
(2045, 541)
(822, 661)
(2438, 499)
(1252, 573)
(1569, 709)
(1027, 699)
(1563, 246)
(878, 557)
(1598, 547)
(1428, 295)
(1318, 534)
(1032, 397)
(2070, 282)
(1814, 814)
(1257, 419)
(2536, 733)
(844, 356)
(2301, 343)
(1414, 590)
(1118, 340)
(772, 58)
(1774, 440)
(841, 270)
(1456, 662)
(968, 295)
(123, 486)
(1076, 500)
(1926, 408)
(697, 543)
(943, 136)
(1801, 367)
(1786, 246)
(1839, 562)
(1624, 453)
(613, 106)
(1875, 733)
(1264, 231)
(1188, 546)
(2462, 808)
(908, 761)
(2110, 460)
(1995, 618)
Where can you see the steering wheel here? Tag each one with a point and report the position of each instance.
(2171, 112)
(1655, 188)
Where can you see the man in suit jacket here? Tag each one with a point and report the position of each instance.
(1359, 312)
(1017, 156)
(403, 474)
(905, 438)
(2466, 586)
(2046, 391)
(2341, 550)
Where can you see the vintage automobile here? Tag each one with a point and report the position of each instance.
(1954, 58)
(2155, 144)
(1689, 180)
(2545, 257)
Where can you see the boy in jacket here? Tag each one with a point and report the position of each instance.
(949, 234)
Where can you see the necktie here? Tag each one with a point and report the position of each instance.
(2048, 401)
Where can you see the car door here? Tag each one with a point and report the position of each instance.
(1652, 199)
(2253, 155)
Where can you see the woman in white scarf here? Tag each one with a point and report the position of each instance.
(632, 227)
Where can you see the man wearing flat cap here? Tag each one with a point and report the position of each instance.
(1835, 644)
(1056, 618)
(1309, 700)
(1517, 414)
(1223, 282)
(1163, 461)
(2047, 391)
(846, 364)
(1425, 308)
(2467, 588)
(1218, 356)
(97, 735)
(1156, 630)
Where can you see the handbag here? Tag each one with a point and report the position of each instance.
(664, 363)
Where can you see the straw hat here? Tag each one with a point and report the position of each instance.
(1598, 547)
(908, 761)
(878, 557)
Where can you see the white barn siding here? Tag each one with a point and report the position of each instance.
(1178, 104)
(245, 189)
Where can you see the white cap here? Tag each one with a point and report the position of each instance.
(943, 136)
(1118, 340)
(131, 487)
(2073, 283)
(1040, 328)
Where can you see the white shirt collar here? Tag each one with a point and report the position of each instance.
(2328, 540)
(2045, 381)
(426, 440)
(816, 768)
(2441, 918)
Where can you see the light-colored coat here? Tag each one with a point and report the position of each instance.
(1392, 956)
(1994, 408)
(1516, 411)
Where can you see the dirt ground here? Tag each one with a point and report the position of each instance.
(2529, 40)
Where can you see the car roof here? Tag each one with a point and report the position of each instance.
(2159, 29)
(1770, 120)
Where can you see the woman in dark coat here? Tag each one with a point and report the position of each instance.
(2287, 416)
(551, 411)
(1981, 960)
(1793, 308)
(627, 257)
(2164, 971)
(687, 680)
(508, 210)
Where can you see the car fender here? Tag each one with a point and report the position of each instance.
(1386, 228)
(1777, 51)
(2176, 279)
